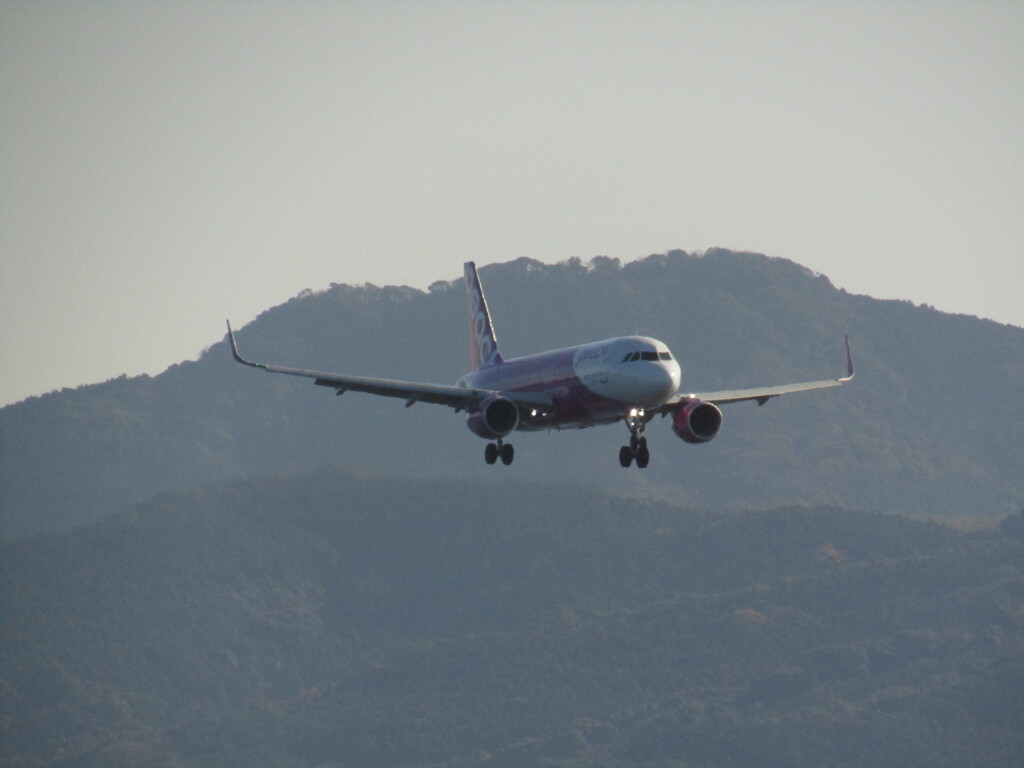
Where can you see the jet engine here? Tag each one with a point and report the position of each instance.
(697, 421)
(495, 417)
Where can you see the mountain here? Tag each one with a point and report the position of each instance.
(931, 425)
(336, 620)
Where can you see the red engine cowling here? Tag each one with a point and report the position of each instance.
(697, 421)
(495, 417)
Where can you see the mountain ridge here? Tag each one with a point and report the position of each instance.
(931, 425)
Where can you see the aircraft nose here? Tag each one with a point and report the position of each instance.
(669, 379)
(675, 374)
(662, 381)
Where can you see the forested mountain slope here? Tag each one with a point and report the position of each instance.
(931, 425)
(327, 619)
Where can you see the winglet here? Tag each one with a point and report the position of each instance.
(234, 349)
(849, 362)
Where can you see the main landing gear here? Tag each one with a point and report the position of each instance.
(504, 450)
(637, 448)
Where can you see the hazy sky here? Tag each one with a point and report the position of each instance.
(164, 165)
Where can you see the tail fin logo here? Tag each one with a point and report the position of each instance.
(483, 346)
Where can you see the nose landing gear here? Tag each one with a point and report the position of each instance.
(641, 453)
(637, 448)
(503, 450)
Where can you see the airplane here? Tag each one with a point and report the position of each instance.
(630, 379)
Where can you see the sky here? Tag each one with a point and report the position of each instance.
(167, 165)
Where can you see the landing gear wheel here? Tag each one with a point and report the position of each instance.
(491, 453)
(643, 456)
(507, 454)
(625, 456)
(637, 448)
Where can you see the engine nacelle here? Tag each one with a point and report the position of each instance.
(495, 417)
(697, 421)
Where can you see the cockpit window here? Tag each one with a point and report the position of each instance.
(632, 357)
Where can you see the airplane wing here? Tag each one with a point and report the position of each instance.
(762, 394)
(459, 398)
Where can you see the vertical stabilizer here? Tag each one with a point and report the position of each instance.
(483, 345)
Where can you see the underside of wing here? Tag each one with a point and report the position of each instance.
(762, 394)
(412, 392)
(459, 398)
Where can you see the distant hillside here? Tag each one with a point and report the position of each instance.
(333, 620)
(931, 426)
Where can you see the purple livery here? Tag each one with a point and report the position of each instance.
(630, 379)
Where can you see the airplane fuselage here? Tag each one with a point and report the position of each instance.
(589, 384)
